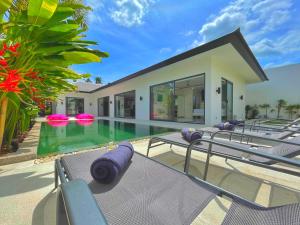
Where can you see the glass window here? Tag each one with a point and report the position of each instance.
(190, 99)
(162, 101)
(227, 100)
(103, 106)
(74, 106)
(125, 105)
(181, 100)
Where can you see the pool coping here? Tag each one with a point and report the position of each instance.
(27, 149)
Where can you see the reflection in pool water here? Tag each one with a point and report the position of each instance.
(77, 136)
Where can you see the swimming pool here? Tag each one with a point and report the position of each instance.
(72, 136)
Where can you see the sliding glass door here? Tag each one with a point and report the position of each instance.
(179, 100)
(74, 106)
(103, 106)
(162, 101)
(227, 100)
(125, 105)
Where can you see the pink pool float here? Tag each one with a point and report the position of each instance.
(85, 122)
(57, 123)
(85, 116)
(57, 117)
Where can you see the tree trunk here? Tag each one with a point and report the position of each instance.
(3, 110)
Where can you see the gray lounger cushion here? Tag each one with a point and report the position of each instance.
(268, 134)
(241, 214)
(284, 150)
(176, 137)
(148, 192)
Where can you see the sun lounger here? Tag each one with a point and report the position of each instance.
(149, 193)
(254, 155)
(257, 126)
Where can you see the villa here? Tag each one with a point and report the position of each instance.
(204, 137)
(204, 85)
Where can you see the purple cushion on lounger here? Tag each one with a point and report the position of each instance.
(184, 131)
(228, 126)
(225, 126)
(220, 126)
(235, 122)
(190, 135)
(110, 165)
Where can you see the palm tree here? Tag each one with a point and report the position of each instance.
(265, 107)
(290, 110)
(88, 80)
(98, 80)
(297, 107)
(281, 103)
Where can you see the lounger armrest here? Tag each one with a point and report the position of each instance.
(77, 206)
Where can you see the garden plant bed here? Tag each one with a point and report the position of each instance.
(27, 149)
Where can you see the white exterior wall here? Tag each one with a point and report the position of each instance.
(284, 83)
(189, 67)
(90, 105)
(220, 71)
(214, 71)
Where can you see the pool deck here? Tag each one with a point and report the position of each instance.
(27, 195)
(27, 149)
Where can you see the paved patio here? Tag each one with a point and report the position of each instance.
(27, 195)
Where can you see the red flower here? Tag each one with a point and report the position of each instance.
(33, 75)
(13, 48)
(3, 63)
(11, 83)
(4, 46)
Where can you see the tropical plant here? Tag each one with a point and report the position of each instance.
(39, 40)
(297, 108)
(254, 112)
(281, 103)
(98, 80)
(291, 110)
(266, 108)
(88, 80)
(248, 108)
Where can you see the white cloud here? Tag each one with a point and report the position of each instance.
(97, 6)
(189, 33)
(258, 20)
(288, 43)
(130, 13)
(165, 50)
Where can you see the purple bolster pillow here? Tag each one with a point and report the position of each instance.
(228, 126)
(190, 136)
(110, 165)
(235, 122)
(225, 126)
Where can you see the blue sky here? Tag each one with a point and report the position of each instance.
(139, 33)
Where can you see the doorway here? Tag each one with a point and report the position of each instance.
(227, 100)
(103, 106)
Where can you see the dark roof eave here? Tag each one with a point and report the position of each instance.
(235, 38)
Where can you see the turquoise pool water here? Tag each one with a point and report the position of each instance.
(74, 136)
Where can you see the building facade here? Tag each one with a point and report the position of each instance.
(204, 85)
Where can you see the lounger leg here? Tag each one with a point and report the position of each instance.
(207, 161)
(55, 176)
(149, 146)
(187, 159)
